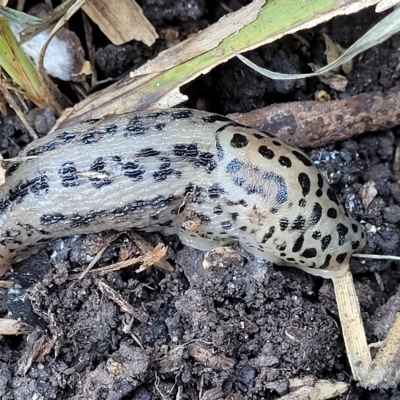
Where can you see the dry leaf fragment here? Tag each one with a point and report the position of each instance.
(368, 193)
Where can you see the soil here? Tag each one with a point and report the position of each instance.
(236, 331)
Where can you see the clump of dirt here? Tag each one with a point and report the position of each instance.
(228, 331)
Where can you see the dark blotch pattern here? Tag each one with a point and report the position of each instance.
(215, 191)
(327, 261)
(332, 213)
(133, 171)
(320, 181)
(215, 118)
(316, 214)
(218, 210)
(238, 141)
(341, 257)
(298, 223)
(50, 219)
(135, 127)
(298, 244)
(148, 152)
(36, 185)
(305, 183)
(283, 223)
(342, 232)
(186, 150)
(99, 166)
(226, 224)
(182, 114)
(309, 253)
(354, 227)
(325, 241)
(266, 152)
(316, 235)
(268, 235)
(285, 161)
(234, 216)
(355, 245)
(4, 203)
(302, 203)
(305, 160)
(69, 174)
(332, 196)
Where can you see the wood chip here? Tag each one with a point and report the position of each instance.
(121, 21)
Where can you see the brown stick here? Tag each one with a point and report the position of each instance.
(314, 123)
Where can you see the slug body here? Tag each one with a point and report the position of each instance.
(197, 174)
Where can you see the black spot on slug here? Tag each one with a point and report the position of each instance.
(69, 174)
(305, 160)
(355, 245)
(186, 150)
(266, 152)
(99, 166)
(298, 244)
(218, 210)
(342, 232)
(332, 213)
(67, 137)
(305, 183)
(4, 203)
(226, 224)
(302, 203)
(52, 145)
(50, 219)
(133, 170)
(298, 223)
(148, 152)
(181, 114)
(285, 161)
(215, 118)
(215, 191)
(354, 227)
(243, 228)
(276, 143)
(234, 216)
(316, 214)
(316, 235)
(268, 235)
(320, 181)
(283, 223)
(325, 241)
(327, 261)
(332, 196)
(309, 253)
(341, 257)
(318, 193)
(238, 141)
(135, 127)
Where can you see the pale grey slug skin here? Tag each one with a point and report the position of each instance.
(197, 174)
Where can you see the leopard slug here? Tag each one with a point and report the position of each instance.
(200, 175)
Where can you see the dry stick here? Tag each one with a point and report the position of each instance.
(353, 329)
(384, 371)
(314, 123)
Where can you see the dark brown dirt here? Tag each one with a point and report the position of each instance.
(225, 332)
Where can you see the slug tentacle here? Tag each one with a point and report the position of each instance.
(181, 171)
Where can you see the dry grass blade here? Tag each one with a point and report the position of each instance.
(353, 329)
(147, 260)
